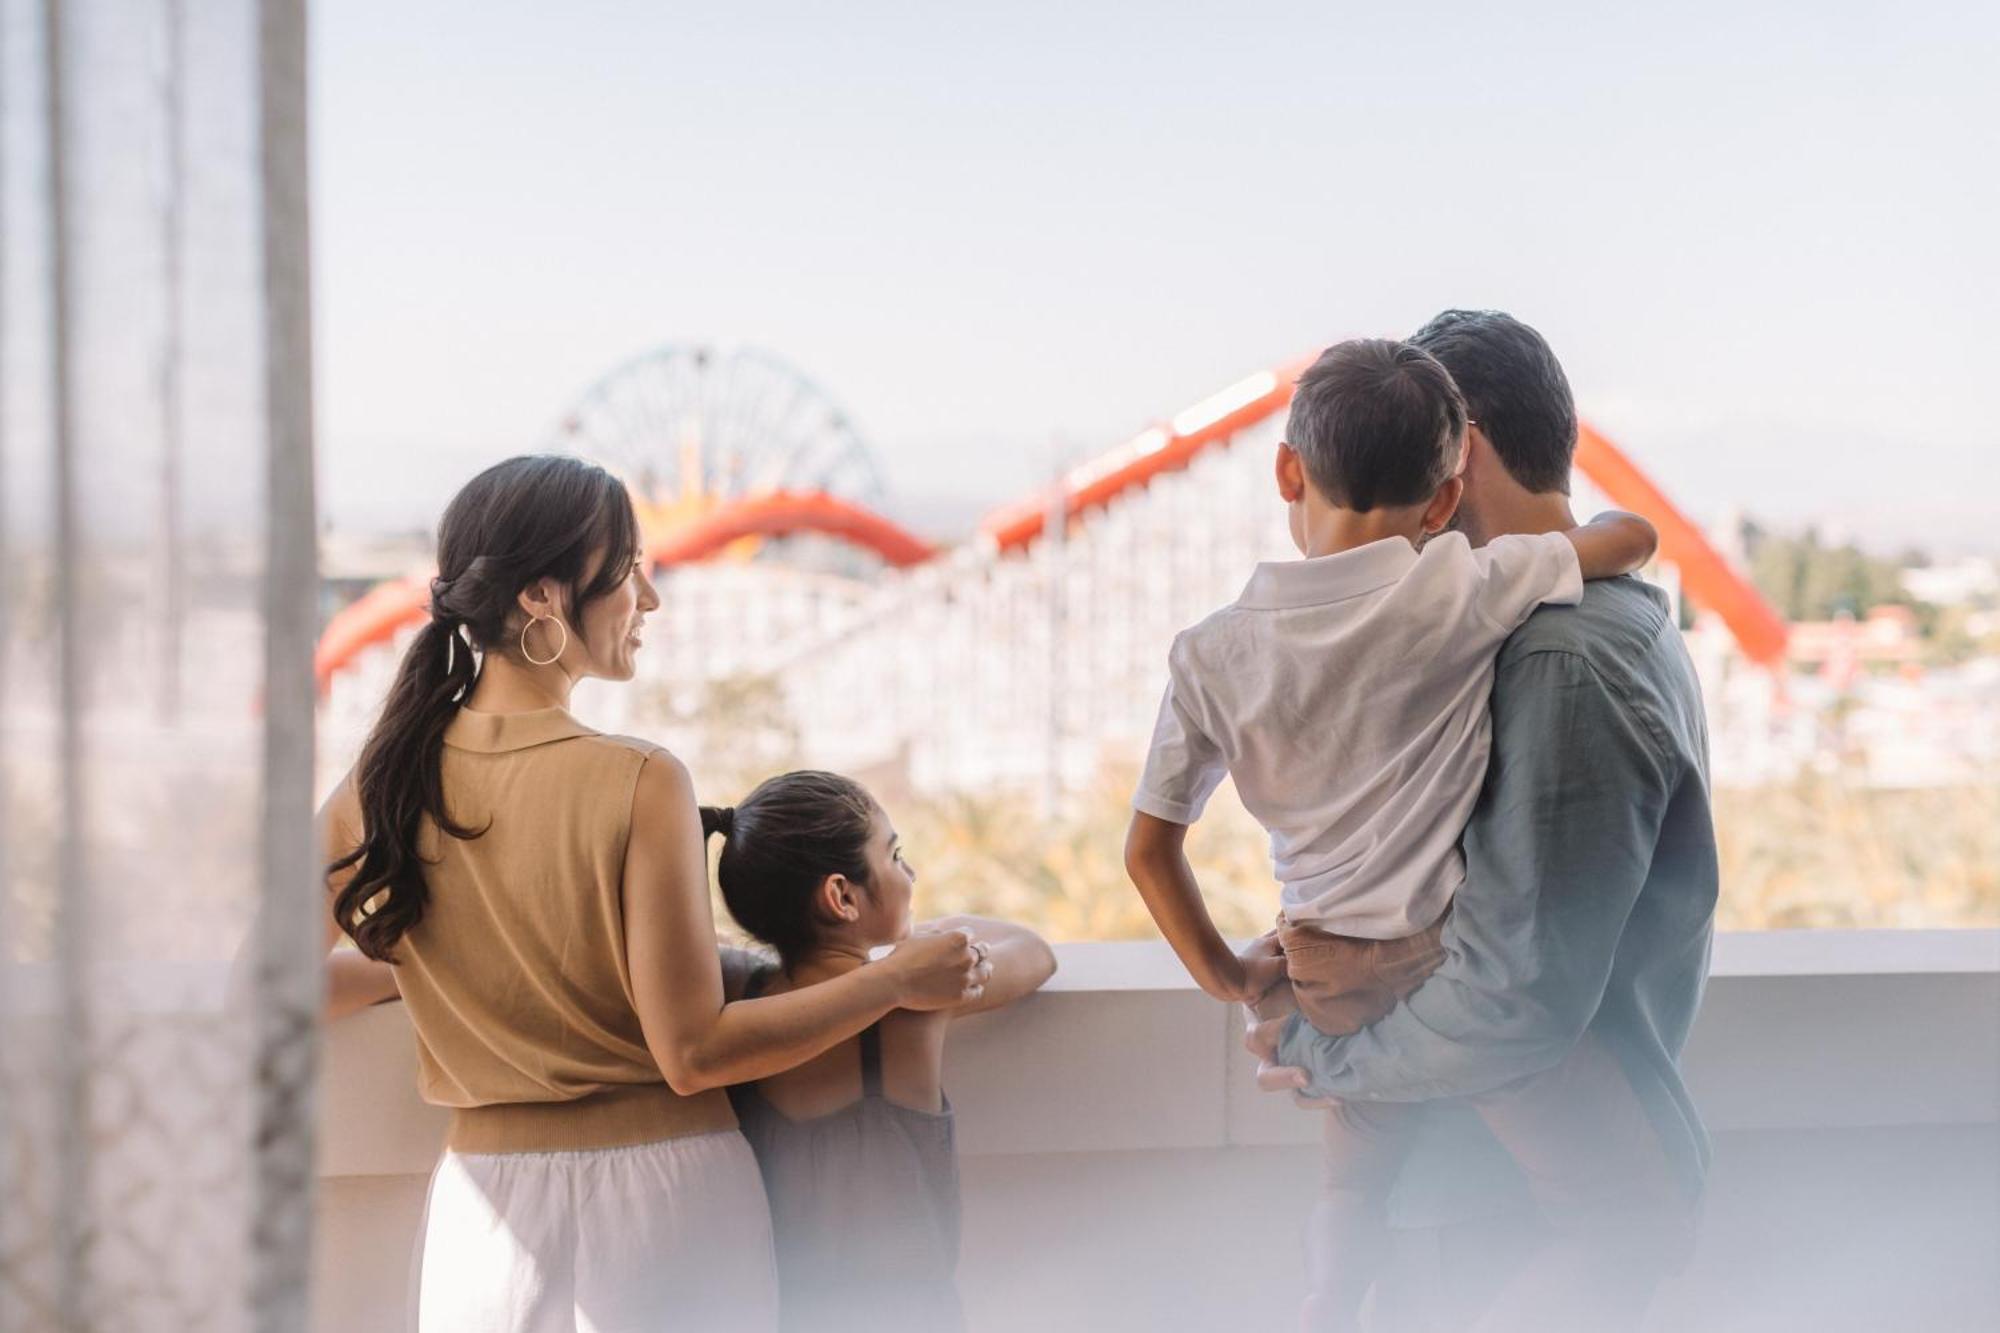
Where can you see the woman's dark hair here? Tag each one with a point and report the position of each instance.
(536, 517)
(781, 843)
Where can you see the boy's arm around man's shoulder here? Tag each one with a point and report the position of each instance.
(1613, 543)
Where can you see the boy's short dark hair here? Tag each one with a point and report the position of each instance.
(1514, 388)
(1376, 422)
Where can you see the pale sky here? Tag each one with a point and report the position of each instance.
(1760, 238)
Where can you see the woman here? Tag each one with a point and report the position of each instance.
(542, 892)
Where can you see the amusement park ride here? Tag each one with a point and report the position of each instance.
(727, 453)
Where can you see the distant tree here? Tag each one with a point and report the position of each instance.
(1806, 579)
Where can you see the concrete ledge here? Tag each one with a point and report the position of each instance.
(1800, 1030)
(1842, 953)
(1122, 1173)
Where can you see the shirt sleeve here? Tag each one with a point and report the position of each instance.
(1556, 854)
(1519, 572)
(1184, 765)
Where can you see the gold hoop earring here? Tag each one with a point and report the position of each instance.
(540, 661)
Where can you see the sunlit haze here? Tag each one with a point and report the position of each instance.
(1761, 241)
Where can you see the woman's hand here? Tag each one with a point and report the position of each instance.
(939, 971)
(1021, 960)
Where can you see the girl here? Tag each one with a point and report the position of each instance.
(542, 893)
(856, 1145)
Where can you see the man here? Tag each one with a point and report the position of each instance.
(1577, 948)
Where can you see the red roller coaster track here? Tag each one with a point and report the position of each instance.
(377, 615)
(781, 513)
(1169, 446)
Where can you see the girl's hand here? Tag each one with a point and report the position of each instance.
(940, 971)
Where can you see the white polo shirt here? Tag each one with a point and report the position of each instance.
(1347, 696)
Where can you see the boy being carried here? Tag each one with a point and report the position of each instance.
(1346, 694)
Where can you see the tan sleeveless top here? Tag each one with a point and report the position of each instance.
(516, 979)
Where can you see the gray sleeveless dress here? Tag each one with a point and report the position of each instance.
(864, 1208)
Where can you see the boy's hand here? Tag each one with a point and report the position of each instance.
(1220, 974)
(1613, 543)
(1263, 962)
(1243, 977)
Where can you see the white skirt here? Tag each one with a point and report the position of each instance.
(663, 1236)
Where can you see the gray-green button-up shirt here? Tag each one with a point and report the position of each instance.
(1589, 899)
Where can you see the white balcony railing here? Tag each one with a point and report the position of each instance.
(1123, 1172)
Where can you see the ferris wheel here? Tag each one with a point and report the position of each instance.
(688, 426)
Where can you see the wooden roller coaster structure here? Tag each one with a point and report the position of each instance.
(1706, 578)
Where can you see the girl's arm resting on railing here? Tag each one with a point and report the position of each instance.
(699, 1038)
(1021, 960)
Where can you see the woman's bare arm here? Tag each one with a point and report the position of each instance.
(1022, 960)
(700, 1039)
(353, 981)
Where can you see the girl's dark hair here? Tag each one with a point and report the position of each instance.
(787, 837)
(530, 518)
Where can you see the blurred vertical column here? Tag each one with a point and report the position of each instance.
(157, 611)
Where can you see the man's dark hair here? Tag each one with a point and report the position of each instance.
(1514, 389)
(1376, 423)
